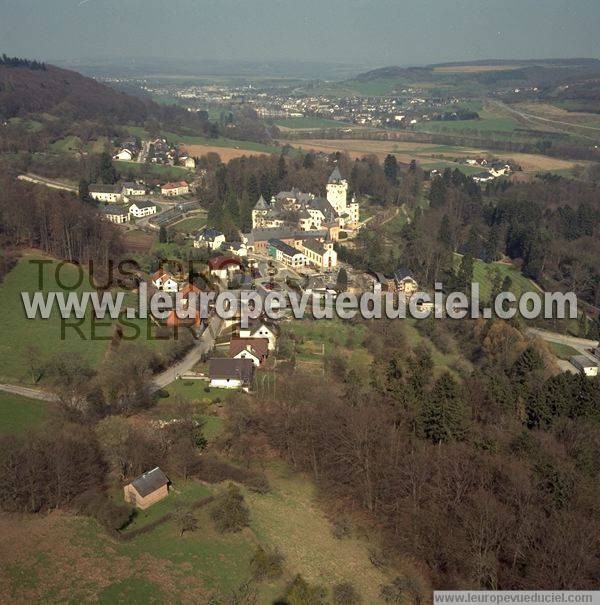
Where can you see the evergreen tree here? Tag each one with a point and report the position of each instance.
(84, 190)
(390, 168)
(281, 168)
(163, 236)
(444, 415)
(106, 171)
(342, 280)
(445, 234)
(464, 275)
(437, 193)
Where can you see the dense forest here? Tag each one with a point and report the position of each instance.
(490, 479)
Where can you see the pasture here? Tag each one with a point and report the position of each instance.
(19, 414)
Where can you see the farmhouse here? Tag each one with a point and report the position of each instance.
(209, 238)
(124, 155)
(175, 189)
(259, 329)
(230, 373)
(187, 162)
(147, 489)
(164, 281)
(254, 349)
(142, 208)
(132, 189)
(288, 255)
(585, 364)
(105, 193)
(223, 266)
(116, 215)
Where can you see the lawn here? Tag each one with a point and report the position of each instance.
(483, 274)
(188, 225)
(183, 493)
(64, 558)
(45, 338)
(489, 122)
(22, 336)
(317, 340)
(18, 414)
(563, 351)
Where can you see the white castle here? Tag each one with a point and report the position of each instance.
(307, 212)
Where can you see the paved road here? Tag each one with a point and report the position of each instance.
(204, 345)
(28, 392)
(40, 180)
(556, 123)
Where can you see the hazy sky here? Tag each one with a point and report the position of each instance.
(377, 32)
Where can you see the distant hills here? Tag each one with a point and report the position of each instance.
(574, 82)
(57, 91)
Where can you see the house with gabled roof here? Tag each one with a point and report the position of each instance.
(147, 489)
(209, 238)
(141, 208)
(163, 280)
(258, 328)
(230, 373)
(255, 349)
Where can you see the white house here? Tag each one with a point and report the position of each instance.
(230, 373)
(258, 329)
(164, 281)
(116, 215)
(238, 248)
(187, 162)
(124, 155)
(223, 266)
(209, 238)
(175, 189)
(320, 254)
(105, 193)
(286, 254)
(142, 208)
(133, 189)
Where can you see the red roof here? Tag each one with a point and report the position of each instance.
(188, 288)
(174, 185)
(259, 347)
(220, 262)
(161, 273)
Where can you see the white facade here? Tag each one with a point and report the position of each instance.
(259, 331)
(211, 242)
(226, 383)
(175, 189)
(111, 197)
(245, 354)
(124, 155)
(130, 189)
(117, 217)
(140, 212)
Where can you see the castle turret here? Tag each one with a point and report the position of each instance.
(259, 212)
(337, 191)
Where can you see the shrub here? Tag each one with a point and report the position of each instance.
(112, 515)
(345, 594)
(266, 564)
(230, 513)
(300, 592)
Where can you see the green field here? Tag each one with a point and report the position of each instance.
(483, 274)
(22, 335)
(489, 122)
(46, 338)
(310, 122)
(197, 140)
(189, 225)
(18, 414)
(563, 351)
(66, 558)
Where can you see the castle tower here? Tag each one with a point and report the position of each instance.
(337, 191)
(259, 213)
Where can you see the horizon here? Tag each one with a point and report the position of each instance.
(388, 34)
